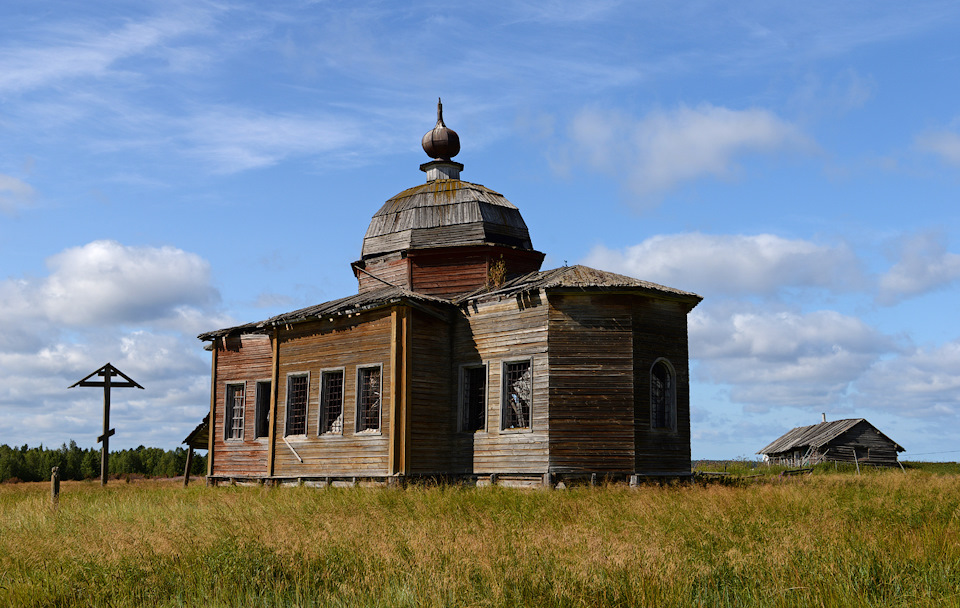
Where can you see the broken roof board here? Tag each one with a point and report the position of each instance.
(572, 277)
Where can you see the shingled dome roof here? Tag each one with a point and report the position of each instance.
(445, 213)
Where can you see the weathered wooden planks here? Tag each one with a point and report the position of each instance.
(243, 359)
(591, 384)
(348, 344)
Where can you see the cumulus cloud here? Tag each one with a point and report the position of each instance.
(924, 265)
(106, 283)
(139, 308)
(920, 383)
(783, 358)
(945, 144)
(656, 153)
(14, 193)
(735, 265)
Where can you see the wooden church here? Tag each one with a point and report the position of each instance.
(457, 359)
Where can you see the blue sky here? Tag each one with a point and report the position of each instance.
(168, 168)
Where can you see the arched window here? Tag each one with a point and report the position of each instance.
(663, 395)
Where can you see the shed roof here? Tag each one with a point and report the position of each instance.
(199, 437)
(445, 213)
(817, 435)
(342, 306)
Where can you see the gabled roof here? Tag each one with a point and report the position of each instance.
(343, 306)
(581, 278)
(817, 435)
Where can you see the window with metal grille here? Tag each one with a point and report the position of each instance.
(368, 399)
(233, 421)
(662, 396)
(331, 402)
(473, 397)
(517, 395)
(261, 427)
(297, 404)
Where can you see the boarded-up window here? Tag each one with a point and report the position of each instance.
(517, 395)
(662, 396)
(368, 399)
(262, 423)
(233, 420)
(473, 397)
(297, 404)
(331, 402)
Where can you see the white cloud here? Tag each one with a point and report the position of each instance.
(945, 144)
(736, 265)
(773, 359)
(921, 383)
(664, 149)
(14, 193)
(139, 308)
(76, 50)
(106, 283)
(924, 265)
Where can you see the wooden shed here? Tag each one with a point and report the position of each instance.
(458, 358)
(853, 440)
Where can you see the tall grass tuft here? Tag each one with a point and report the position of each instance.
(886, 538)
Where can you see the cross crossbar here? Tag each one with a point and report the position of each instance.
(107, 372)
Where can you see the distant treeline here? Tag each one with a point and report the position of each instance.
(34, 464)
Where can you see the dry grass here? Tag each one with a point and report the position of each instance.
(885, 539)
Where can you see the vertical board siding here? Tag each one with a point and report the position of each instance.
(494, 332)
(243, 359)
(433, 407)
(312, 347)
(660, 330)
(591, 384)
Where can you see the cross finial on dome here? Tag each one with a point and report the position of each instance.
(441, 142)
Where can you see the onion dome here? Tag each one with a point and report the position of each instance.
(443, 237)
(441, 142)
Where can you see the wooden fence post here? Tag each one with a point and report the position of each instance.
(55, 487)
(186, 470)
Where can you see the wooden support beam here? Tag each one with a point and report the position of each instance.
(396, 386)
(186, 469)
(406, 403)
(213, 406)
(274, 387)
(401, 317)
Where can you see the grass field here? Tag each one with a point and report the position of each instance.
(885, 538)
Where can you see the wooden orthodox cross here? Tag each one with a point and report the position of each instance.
(107, 372)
